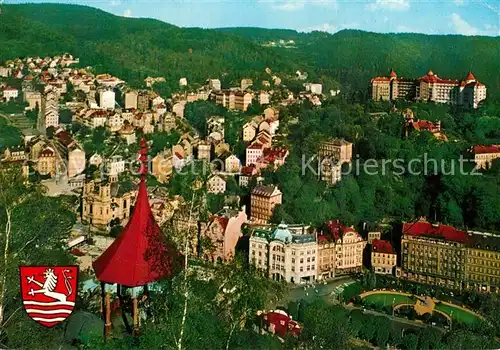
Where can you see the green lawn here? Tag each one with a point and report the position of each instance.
(458, 314)
(386, 299)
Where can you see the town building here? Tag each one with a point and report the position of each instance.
(223, 230)
(216, 185)
(338, 149)
(383, 257)
(272, 157)
(242, 100)
(467, 92)
(330, 171)
(285, 253)
(232, 164)
(46, 164)
(246, 83)
(340, 250)
(131, 99)
(253, 153)
(14, 154)
(204, 151)
(373, 235)
(214, 84)
(162, 165)
(422, 125)
(433, 254)
(485, 155)
(49, 112)
(76, 161)
(249, 131)
(34, 99)
(315, 88)
(263, 97)
(263, 199)
(246, 173)
(142, 100)
(9, 93)
(279, 323)
(107, 99)
(104, 202)
(482, 270)
(96, 159)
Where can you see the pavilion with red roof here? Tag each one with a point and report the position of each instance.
(140, 254)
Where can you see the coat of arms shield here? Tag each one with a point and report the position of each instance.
(49, 292)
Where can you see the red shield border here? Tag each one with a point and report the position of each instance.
(49, 292)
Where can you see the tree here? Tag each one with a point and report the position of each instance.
(36, 241)
(383, 326)
(410, 341)
(243, 290)
(325, 326)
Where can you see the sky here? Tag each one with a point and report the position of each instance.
(465, 17)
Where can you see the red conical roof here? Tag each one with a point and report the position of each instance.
(470, 76)
(393, 74)
(140, 254)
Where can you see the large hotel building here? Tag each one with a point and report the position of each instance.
(299, 254)
(467, 92)
(443, 255)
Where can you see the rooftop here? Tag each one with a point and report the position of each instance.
(381, 246)
(438, 231)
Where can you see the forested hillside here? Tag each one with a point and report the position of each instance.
(134, 48)
(353, 56)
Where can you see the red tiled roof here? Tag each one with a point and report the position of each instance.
(480, 149)
(426, 229)
(9, 88)
(380, 79)
(432, 78)
(381, 246)
(335, 230)
(282, 323)
(248, 170)
(255, 146)
(424, 125)
(271, 154)
(223, 221)
(470, 76)
(393, 74)
(47, 153)
(64, 137)
(77, 252)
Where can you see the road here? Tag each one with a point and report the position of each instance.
(296, 293)
(400, 320)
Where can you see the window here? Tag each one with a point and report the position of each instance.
(293, 260)
(301, 260)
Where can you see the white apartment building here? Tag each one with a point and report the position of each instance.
(216, 185)
(288, 254)
(116, 166)
(254, 152)
(107, 99)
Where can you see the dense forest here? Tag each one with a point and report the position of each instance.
(135, 48)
